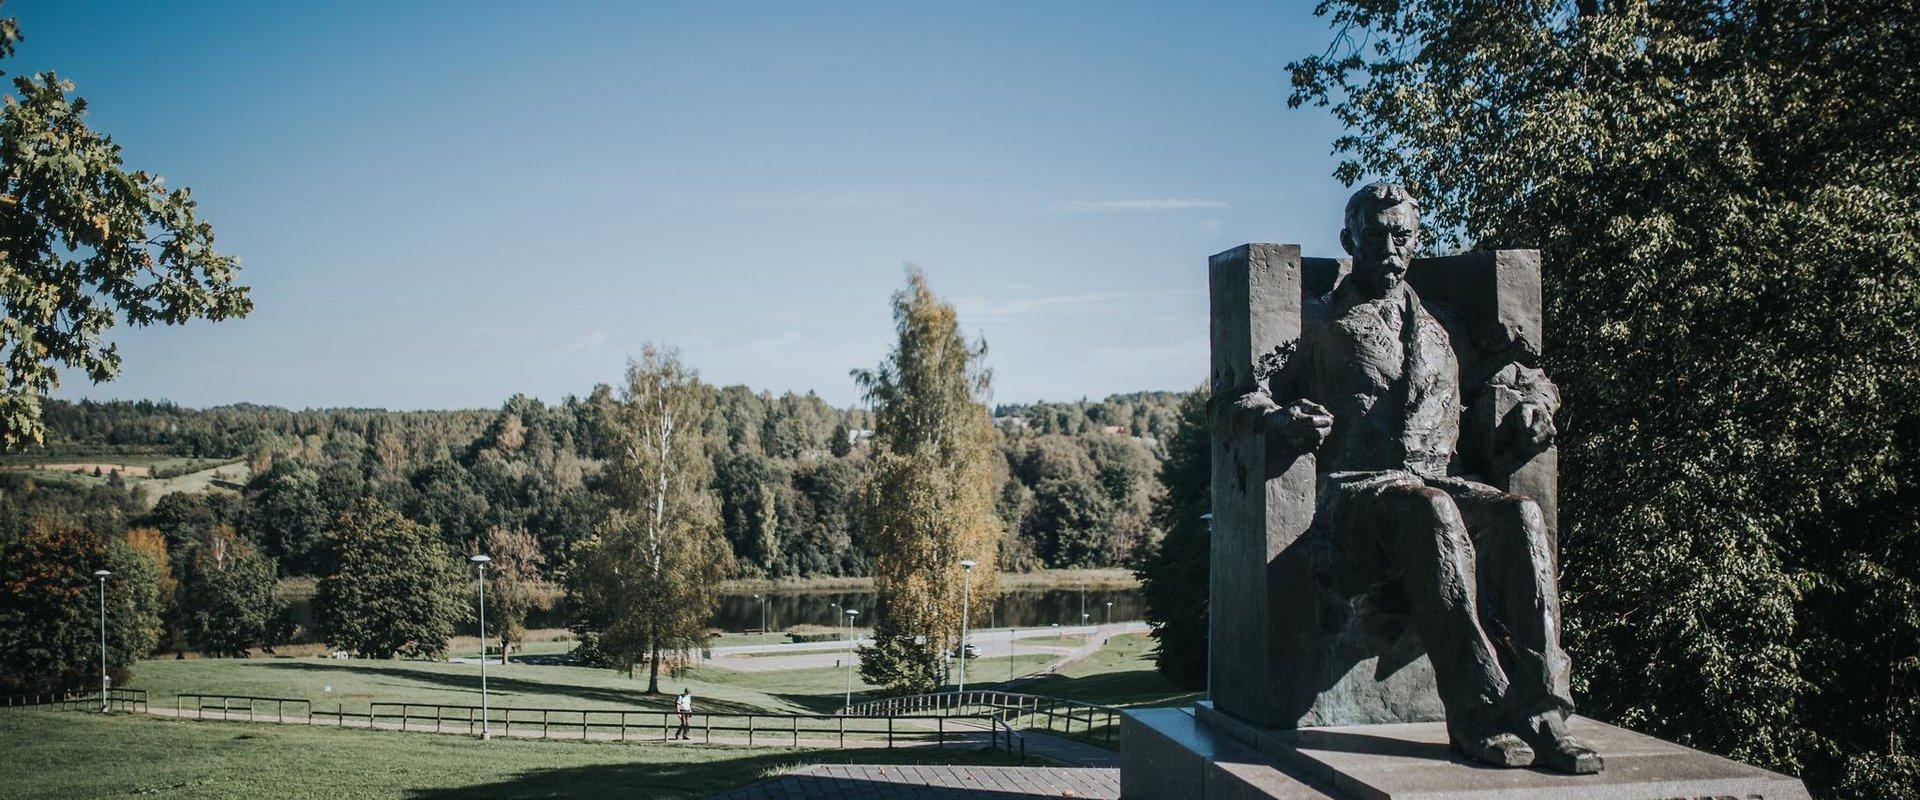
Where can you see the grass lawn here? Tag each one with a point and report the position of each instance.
(73, 754)
(354, 683)
(1119, 674)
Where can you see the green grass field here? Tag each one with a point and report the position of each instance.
(77, 754)
(1119, 674)
(352, 684)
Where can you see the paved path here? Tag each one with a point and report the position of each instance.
(863, 782)
(1057, 749)
(992, 644)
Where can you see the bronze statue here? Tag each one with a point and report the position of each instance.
(1373, 386)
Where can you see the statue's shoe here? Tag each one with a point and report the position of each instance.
(1557, 750)
(1498, 749)
(1564, 753)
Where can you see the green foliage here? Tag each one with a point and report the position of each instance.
(227, 601)
(85, 244)
(391, 587)
(1175, 574)
(513, 589)
(1727, 199)
(50, 607)
(647, 580)
(928, 500)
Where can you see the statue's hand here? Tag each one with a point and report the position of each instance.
(1533, 425)
(1302, 422)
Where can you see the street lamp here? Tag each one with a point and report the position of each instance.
(1208, 518)
(851, 614)
(966, 609)
(480, 580)
(102, 575)
(1109, 612)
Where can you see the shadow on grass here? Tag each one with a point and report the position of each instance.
(471, 684)
(1140, 687)
(694, 778)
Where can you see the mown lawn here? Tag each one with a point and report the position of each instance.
(78, 754)
(353, 683)
(1119, 674)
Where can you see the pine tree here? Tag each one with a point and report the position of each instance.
(930, 489)
(1174, 575)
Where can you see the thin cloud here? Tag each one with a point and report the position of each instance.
(1147, 204)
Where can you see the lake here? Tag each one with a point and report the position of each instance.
(1026, 608)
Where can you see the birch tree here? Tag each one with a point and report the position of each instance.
(647, 580)
(929, 493)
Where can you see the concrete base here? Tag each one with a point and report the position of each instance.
(1196, 754)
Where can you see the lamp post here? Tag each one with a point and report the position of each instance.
(851, 614)
(480, 575)
(1208, 518)
(102, 575)
(966, 609)
(1109, 612)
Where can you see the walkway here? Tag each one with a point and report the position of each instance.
(863, 782)
(992, 644)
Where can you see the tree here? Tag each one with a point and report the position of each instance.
(227, 602)
(930, 491)
(85, 244)
(647, 580)
(166, 585)
(50, 606)
(391, 586)
(513, 583)
(1175, 574)
(1726, 199)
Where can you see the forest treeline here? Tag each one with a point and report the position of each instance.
(1078, 479)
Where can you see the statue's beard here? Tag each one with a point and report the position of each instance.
(1386, 277)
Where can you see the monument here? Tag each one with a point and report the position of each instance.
(1386, 618)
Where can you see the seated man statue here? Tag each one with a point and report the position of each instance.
(1374, 386)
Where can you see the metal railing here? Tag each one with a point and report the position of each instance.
(80, 699)
(1031, 711)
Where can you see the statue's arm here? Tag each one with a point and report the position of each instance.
(1300, 421)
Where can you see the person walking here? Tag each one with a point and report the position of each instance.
(684, 705)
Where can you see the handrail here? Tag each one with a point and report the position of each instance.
(1057, 713)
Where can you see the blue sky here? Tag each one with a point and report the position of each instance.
(442, 204)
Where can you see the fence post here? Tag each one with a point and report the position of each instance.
(796, 729)
(843, 731)
(749, 730)
(709, 729)
(583, 725)
(406, 712)
(543, 723)
(889, 733)
(438, 716)
(469, 720)
(623, 726)
(940, 724)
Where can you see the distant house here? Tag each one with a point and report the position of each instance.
(1117, 430)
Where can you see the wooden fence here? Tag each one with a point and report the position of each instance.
(626, 725)
(80, 699)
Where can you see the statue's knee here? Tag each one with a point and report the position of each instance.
(1434, 511)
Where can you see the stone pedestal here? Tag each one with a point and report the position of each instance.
(1199, 754)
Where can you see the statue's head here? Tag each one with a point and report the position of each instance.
(1382, 231)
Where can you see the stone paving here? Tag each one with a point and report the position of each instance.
(865, 782)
